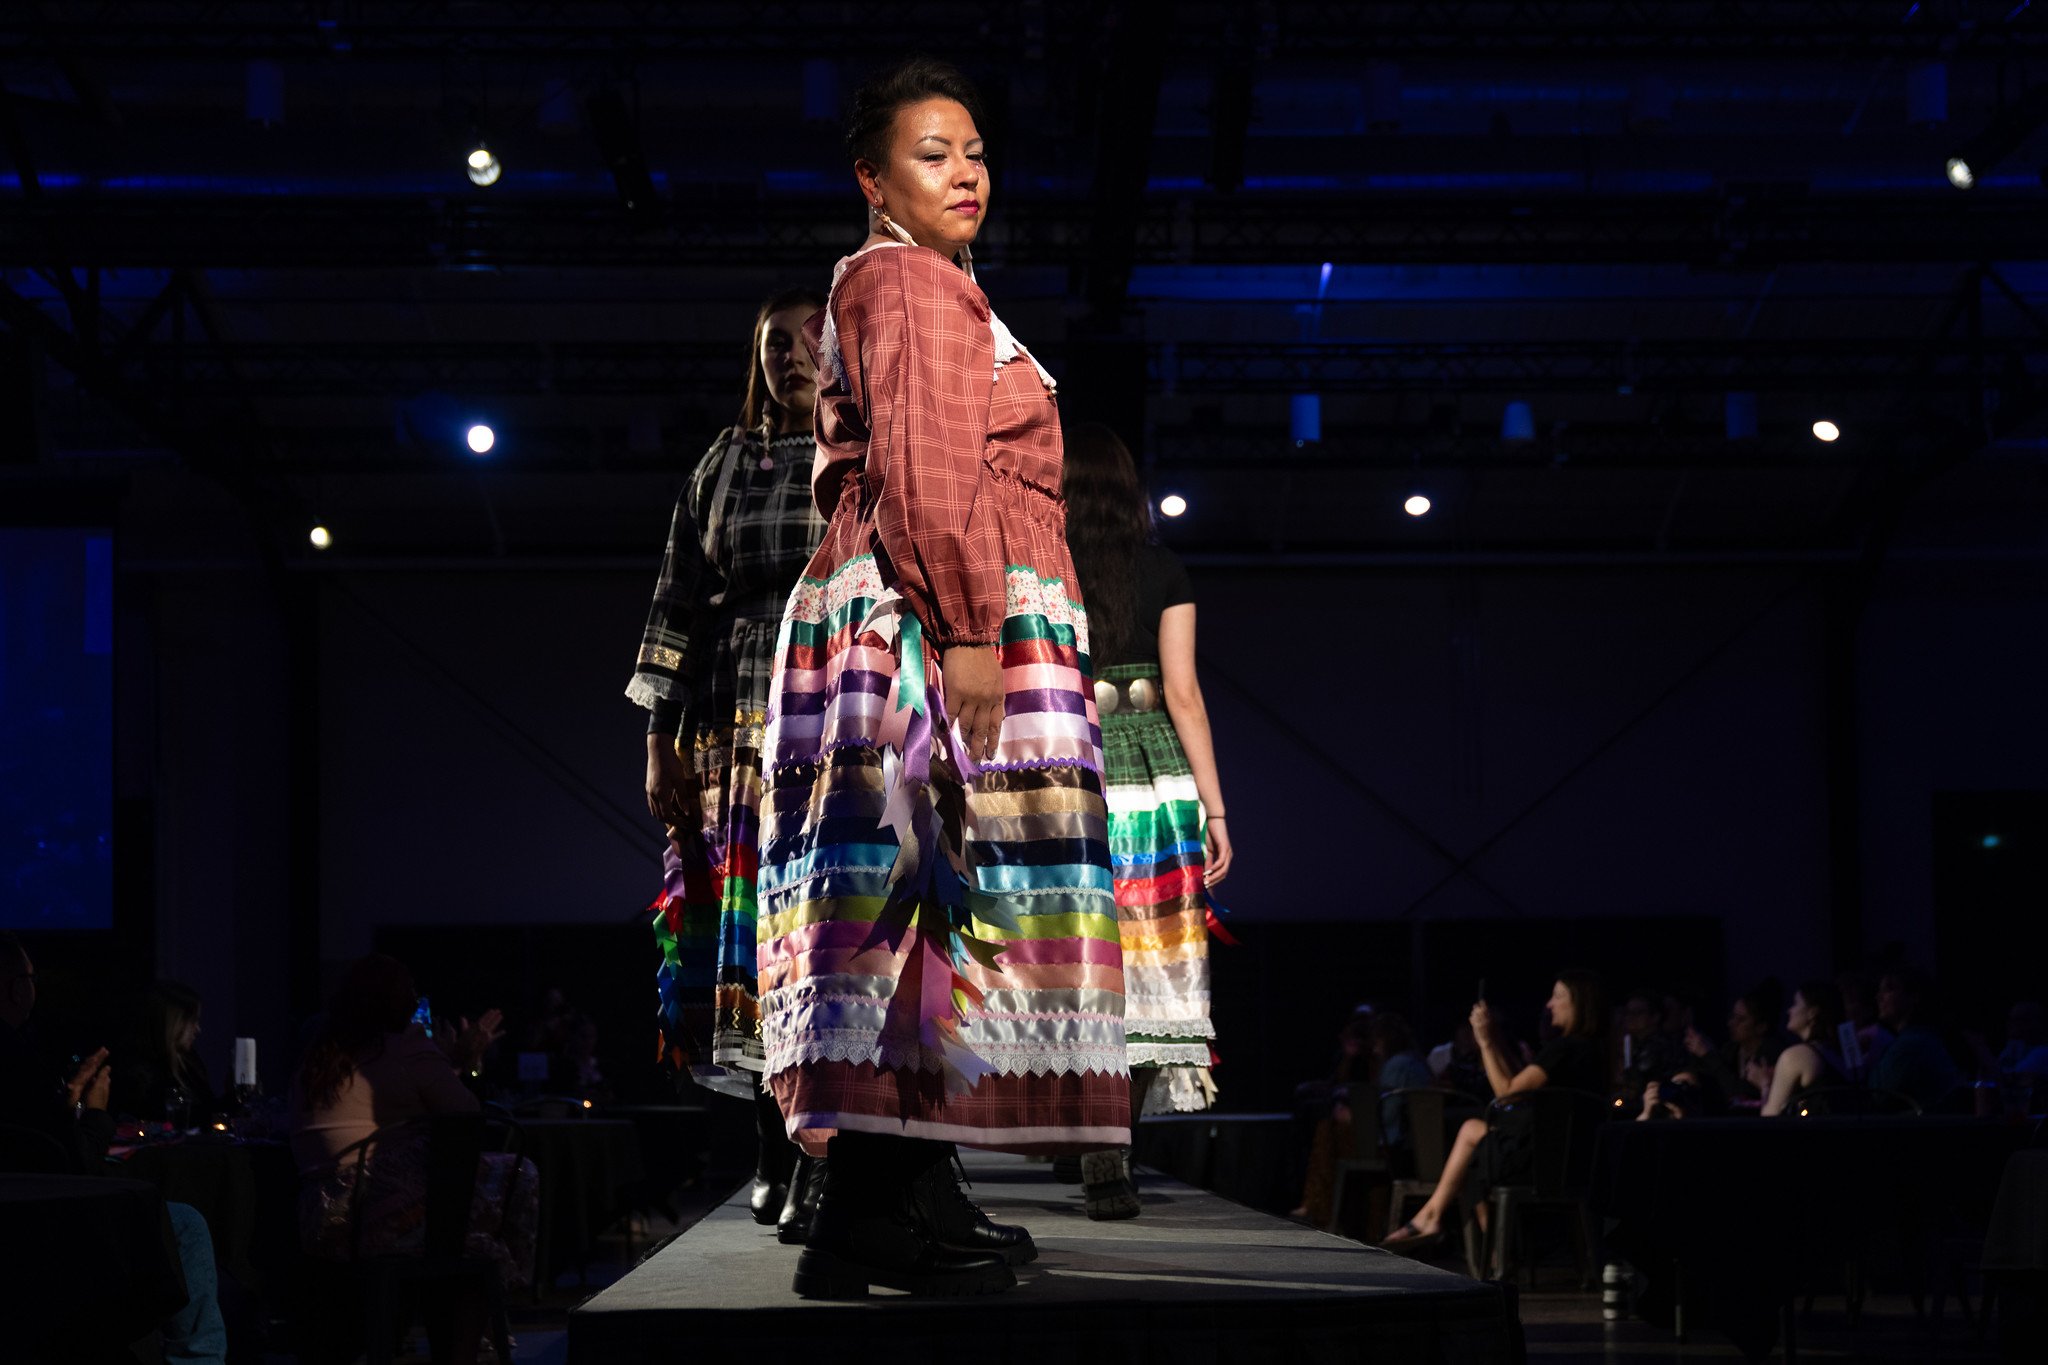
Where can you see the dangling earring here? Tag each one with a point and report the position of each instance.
(890, 225)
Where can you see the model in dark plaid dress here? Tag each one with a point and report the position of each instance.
(743, 531)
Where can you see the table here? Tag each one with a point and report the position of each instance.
(248, 1192)
(1730, 1218)
(2016, 1250)
(584, 1165)
(102, 1264)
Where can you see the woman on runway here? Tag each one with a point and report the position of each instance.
(1168, 839)
(938, 935)
(744, 528)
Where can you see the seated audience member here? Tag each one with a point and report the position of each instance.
(1323, 1108)
(1457, 1064)
(1576, 1059)
(2026, 1039)
(1648, 1053)
(1859, 1007)
(1680, 1097)
(1397, 1065)
(370, 1068)
(1812, 1063)
(1738, 1071)
(73, 1115)
(160, 1068)
(1918, 1063)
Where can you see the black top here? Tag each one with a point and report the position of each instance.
(1162, 582)
(1574, 1063)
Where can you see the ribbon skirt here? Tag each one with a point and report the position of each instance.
(1156, 841)
(937, 940)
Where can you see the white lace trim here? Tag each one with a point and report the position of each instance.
(1169, 1028)
(1010, 1060)
(1169, 1054)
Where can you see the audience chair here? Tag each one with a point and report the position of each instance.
(1837, 1100)
(455, 1144)
(1367, 1158)
(1562, 1125)
(1428, 1113)
(31, 1151)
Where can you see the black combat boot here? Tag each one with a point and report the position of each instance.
(959, 1224)
(806, 1186)
(867, 1231)
(773, 1163)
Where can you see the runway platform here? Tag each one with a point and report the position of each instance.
(1196, 1279)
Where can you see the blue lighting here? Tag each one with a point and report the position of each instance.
(1991, 841)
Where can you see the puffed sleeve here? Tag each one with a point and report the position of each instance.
(926, 378)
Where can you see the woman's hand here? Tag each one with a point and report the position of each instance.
(468, 1043)
(1758, 1074)
(90, 1083)
(671, 785)
(972, 679)
(1217, 852)
(1482, 1023)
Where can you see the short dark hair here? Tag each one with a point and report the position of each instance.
(881, 96)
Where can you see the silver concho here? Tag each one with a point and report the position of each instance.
(1106, 698)
(1144, 694)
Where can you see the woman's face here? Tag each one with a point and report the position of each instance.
(1800, 1017)
(188, 1036)
(1559, 1008)
(1744, 1027)
(934, 183)
(786, 365)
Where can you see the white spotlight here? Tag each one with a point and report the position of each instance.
(1172, 505)
(482, 166)
(1959, 173)
(1416, 506)
(481, 438)
(321, 537)
(1824, 430)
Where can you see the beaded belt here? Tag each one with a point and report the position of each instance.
(1130, 694)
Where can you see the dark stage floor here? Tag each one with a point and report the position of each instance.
(1196, 1278)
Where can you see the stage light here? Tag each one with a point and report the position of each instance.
(1517, 422)
(1824, 430)
(2013, 125)
(1172, 505)
(1416, 506)
(482, 165)
(1991, 841)
(321, 538)
(480, 438)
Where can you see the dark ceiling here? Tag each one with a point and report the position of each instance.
(246, 282)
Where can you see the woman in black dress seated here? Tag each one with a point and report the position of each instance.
(1576, 1060)
(1811, 1063)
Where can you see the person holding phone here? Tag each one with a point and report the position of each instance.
(1480, 1159)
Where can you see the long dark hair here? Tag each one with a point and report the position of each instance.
(758, 407)
(1589, 1005)
(168, 1009)
(1824, 998)
(1109, 523)
(375, 998)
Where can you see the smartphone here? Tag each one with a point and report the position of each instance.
(1482, 990)
(423, 1015)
